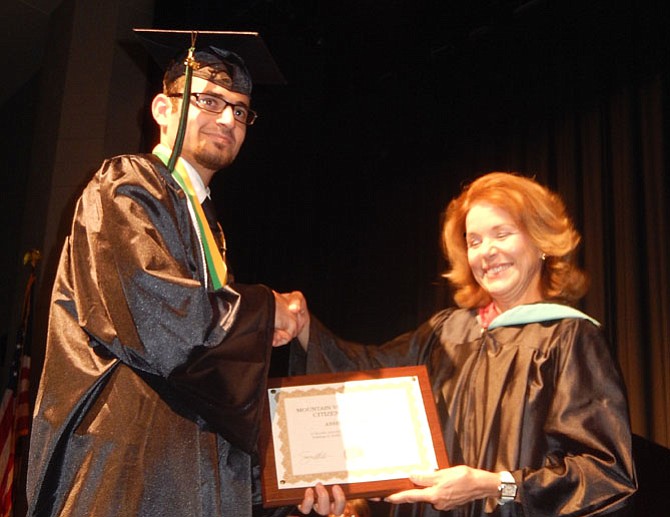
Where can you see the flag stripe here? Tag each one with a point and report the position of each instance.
(15, 408)
(7, 452)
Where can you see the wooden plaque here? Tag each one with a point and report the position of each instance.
(365, 431)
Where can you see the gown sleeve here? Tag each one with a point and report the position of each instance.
(328, 353)
(139, 294)
(588, 467)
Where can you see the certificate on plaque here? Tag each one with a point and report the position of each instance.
(365, 431)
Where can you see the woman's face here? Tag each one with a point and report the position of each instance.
(502, 258)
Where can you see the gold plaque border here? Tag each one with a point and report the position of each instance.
(274, 495)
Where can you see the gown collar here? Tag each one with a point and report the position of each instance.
(537, 312)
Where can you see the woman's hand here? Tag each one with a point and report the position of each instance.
(297, 306)
(317, 499)
(447, 488)
(291, 318)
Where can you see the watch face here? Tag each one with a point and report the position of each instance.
(508, 490)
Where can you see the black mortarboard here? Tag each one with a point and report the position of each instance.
(231, 59)
(243, 56)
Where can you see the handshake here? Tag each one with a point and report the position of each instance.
(291, 319)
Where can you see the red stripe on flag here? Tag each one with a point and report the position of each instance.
(6, 452)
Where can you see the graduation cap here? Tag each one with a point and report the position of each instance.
(244, 50)
(232, 59)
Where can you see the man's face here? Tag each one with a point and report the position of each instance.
(211, 141)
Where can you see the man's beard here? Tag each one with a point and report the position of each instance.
(214, 161)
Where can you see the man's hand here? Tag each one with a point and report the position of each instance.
(297, 304)
(321, 502)
(291, 318)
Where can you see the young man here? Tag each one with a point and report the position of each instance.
(155, 366)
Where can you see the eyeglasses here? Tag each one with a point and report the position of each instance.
(215, 104)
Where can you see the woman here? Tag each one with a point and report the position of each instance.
(532, 406)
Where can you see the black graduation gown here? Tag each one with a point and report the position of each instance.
(151, 392)
(543, 400)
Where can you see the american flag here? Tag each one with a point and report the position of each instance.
(15, 407)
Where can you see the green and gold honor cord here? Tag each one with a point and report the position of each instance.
(215, 263)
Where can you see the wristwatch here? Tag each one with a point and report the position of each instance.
(507, 488)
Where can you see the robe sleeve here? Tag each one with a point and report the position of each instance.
(140, 296)
(329, 353)
(589, 467)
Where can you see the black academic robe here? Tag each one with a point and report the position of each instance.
(152, 386)
(543, 400)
